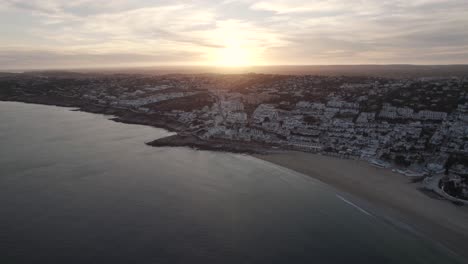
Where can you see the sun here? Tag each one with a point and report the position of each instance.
(233, 56)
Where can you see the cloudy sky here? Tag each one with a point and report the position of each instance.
(97, 33)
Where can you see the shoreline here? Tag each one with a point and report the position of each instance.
(393, 194)
(191, 141)
(128, 116)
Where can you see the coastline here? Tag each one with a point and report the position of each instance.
(394, 194)
(187, 140)
(121, 115)
(390, 192)
(127, 116)
(109, 161)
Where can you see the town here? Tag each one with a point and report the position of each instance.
(418, 126)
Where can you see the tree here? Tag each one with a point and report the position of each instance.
(401, 160)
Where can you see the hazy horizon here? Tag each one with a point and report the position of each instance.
(58, 34)
(110, 67)
(387, 70)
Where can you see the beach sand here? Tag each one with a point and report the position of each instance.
(391, 193)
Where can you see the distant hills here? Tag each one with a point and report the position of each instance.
(393, 71)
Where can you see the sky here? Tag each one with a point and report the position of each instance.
(120, 33)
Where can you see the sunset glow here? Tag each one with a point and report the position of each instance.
(64, 34)
(233, 56)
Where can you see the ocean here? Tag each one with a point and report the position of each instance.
(76, 187)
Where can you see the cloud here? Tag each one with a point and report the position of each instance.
(75, 7)
(30, 59)
(294, 6)
(47, 7)
(274, 31)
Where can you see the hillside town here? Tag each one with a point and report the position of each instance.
(417, 126)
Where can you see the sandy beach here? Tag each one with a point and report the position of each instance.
(391, 193)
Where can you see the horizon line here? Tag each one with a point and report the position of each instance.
(33, 69)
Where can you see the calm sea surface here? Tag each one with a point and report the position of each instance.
(78, 188)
